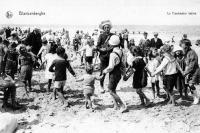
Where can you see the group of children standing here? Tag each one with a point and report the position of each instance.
(175, 65)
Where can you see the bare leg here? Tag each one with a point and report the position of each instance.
(153, 89)
(29, 85)
(61, 96)
(25, 86)
(158, 88)
(55, 93)
(114, 100)
(49, 85)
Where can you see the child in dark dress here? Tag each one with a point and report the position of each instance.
(139, 65)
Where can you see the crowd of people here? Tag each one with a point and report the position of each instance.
(23, 51)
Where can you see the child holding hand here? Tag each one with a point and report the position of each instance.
(88, 87)
(59, 66)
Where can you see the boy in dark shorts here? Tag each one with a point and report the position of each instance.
(59, 66)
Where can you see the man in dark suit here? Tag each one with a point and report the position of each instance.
(156, 42)
(34, 41)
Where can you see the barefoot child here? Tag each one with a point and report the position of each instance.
(170, 66)
(152, 65)
(26, 62)
(88, 86)
(59, 66)
(138, 65)
(49, 58)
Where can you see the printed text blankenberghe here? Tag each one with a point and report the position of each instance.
(32, 13)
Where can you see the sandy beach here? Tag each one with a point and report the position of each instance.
(43, 114)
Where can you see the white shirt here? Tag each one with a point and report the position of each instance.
(88, 50)
(50, 58)
(168, 65)
(130, 58)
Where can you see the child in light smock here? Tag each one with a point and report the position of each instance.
(152, 65)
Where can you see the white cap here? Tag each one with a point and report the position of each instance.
(114, 40)
(177, 48)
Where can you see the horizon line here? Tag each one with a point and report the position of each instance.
(98, 25)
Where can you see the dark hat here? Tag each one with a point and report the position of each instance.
(145, 33)
(22, 49)
(12, 45)
(197, 42)
(186, 42)
(184, 35)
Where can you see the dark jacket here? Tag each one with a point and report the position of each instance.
(157, 44)
(144, 45)
(101, 44)
(34, 40)
(60, 66)
(191, 60)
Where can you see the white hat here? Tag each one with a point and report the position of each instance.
(114, 40)
(155, 33)
(177, 48)
(130, 37)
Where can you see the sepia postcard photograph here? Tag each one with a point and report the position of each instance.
(99, 66)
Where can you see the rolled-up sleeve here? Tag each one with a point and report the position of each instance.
(161, 66)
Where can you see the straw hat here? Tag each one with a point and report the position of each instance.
(105, 22)
(114, 40)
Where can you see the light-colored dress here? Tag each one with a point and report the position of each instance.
(49, 58)
(152, 65)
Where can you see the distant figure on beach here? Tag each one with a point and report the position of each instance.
(77, 41)
(103, 48)
(95, 36)
(144, 44)
(156, 42)
(184, 38)
(34, 41)
(173, 41)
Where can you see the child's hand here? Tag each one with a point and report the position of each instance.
(100, 77)
(152, 74)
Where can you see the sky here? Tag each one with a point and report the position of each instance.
(92, 12)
